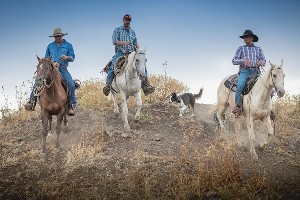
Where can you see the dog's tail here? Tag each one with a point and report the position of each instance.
(197, 96)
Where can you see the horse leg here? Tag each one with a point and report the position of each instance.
(60, 117)
(125, 115)
(267, 122)
(220, 117)
(249, 122)
(116, 107)
(138, 99)
(65, 119)
(45, 132)
(50, 123)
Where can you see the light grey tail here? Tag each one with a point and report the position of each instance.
(197, 96)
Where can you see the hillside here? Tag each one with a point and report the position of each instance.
(167, 158)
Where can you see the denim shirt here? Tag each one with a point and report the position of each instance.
(55, 51)
(124, 35)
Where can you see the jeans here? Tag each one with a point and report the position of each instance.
(68, 78)
(243, 76)
(111, 68)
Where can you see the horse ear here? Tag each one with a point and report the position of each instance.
(38, 58)
(272, 65)
(281, 62)
(49, 58)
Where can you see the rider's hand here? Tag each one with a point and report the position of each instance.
(247, 62)
(65, 57)
(137, 46)
(126, 43)
(260, 63)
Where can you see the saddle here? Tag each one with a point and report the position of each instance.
(120, 64)
(231, 83)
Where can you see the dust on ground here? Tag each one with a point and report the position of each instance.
(95, 161)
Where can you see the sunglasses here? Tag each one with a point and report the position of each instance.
(127, 18)
(57, 36)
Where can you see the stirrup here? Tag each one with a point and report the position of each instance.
(30, 105)
(237, 111)
(106, 90)
(71, 111)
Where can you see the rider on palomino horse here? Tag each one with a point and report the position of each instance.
(62, 52)
(125, 42)
(250, 58)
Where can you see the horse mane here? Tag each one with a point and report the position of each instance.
(131, 59)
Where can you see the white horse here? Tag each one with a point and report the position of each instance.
(257, 104)
(128, 84)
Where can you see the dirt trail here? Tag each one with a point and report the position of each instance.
(93, 149)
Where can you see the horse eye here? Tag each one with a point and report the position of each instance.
(274, 75)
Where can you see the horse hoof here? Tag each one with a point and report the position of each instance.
(255, 157)
(57, 150)
(126, 135)
(44, 156)
(66, 124)
(117, 114)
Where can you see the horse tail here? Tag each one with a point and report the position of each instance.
(214, 109)
(197, 96)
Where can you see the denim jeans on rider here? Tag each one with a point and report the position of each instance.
(243, 76)
(111, 69)
(66, 76)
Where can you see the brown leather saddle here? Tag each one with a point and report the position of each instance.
(231, 83)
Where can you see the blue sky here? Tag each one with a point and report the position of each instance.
(198, 38)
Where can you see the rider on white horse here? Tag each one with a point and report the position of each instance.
(125, 41)
(249, 57)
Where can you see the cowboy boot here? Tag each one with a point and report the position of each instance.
(106, 88)
(272, 115)
(30, 105)
(147, 88)
(71, 109)
(237, 111)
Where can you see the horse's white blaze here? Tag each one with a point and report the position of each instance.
(41, 66)
(257, 104)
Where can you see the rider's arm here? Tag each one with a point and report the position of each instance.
(71, 53)
(262, 57)
(237, 59)
(47, 54)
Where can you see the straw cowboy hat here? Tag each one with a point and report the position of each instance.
(249, 33)
(57, 31)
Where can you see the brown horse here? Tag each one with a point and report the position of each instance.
(52, 97)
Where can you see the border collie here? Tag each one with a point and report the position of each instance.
(186, 100)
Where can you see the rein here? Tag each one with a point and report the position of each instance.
(36, 93)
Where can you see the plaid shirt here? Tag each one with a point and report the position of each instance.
(252, 53)
(124, 35)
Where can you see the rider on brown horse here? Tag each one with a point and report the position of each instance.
(62, 52)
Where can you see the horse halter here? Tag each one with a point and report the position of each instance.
(139, 53)
(271, 74)
(39, 89)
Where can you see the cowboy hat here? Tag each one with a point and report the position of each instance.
(249, 33)
(57, 31)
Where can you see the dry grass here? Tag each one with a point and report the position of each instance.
(87, 173)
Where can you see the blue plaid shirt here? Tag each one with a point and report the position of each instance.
(55, 51)
(124, 35)
(252, 53)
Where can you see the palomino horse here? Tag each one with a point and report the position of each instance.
(128, 84)
(257, 104)
(52, 97)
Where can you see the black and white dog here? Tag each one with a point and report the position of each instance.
(186, 100)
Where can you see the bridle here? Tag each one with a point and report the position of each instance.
(39, 89)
